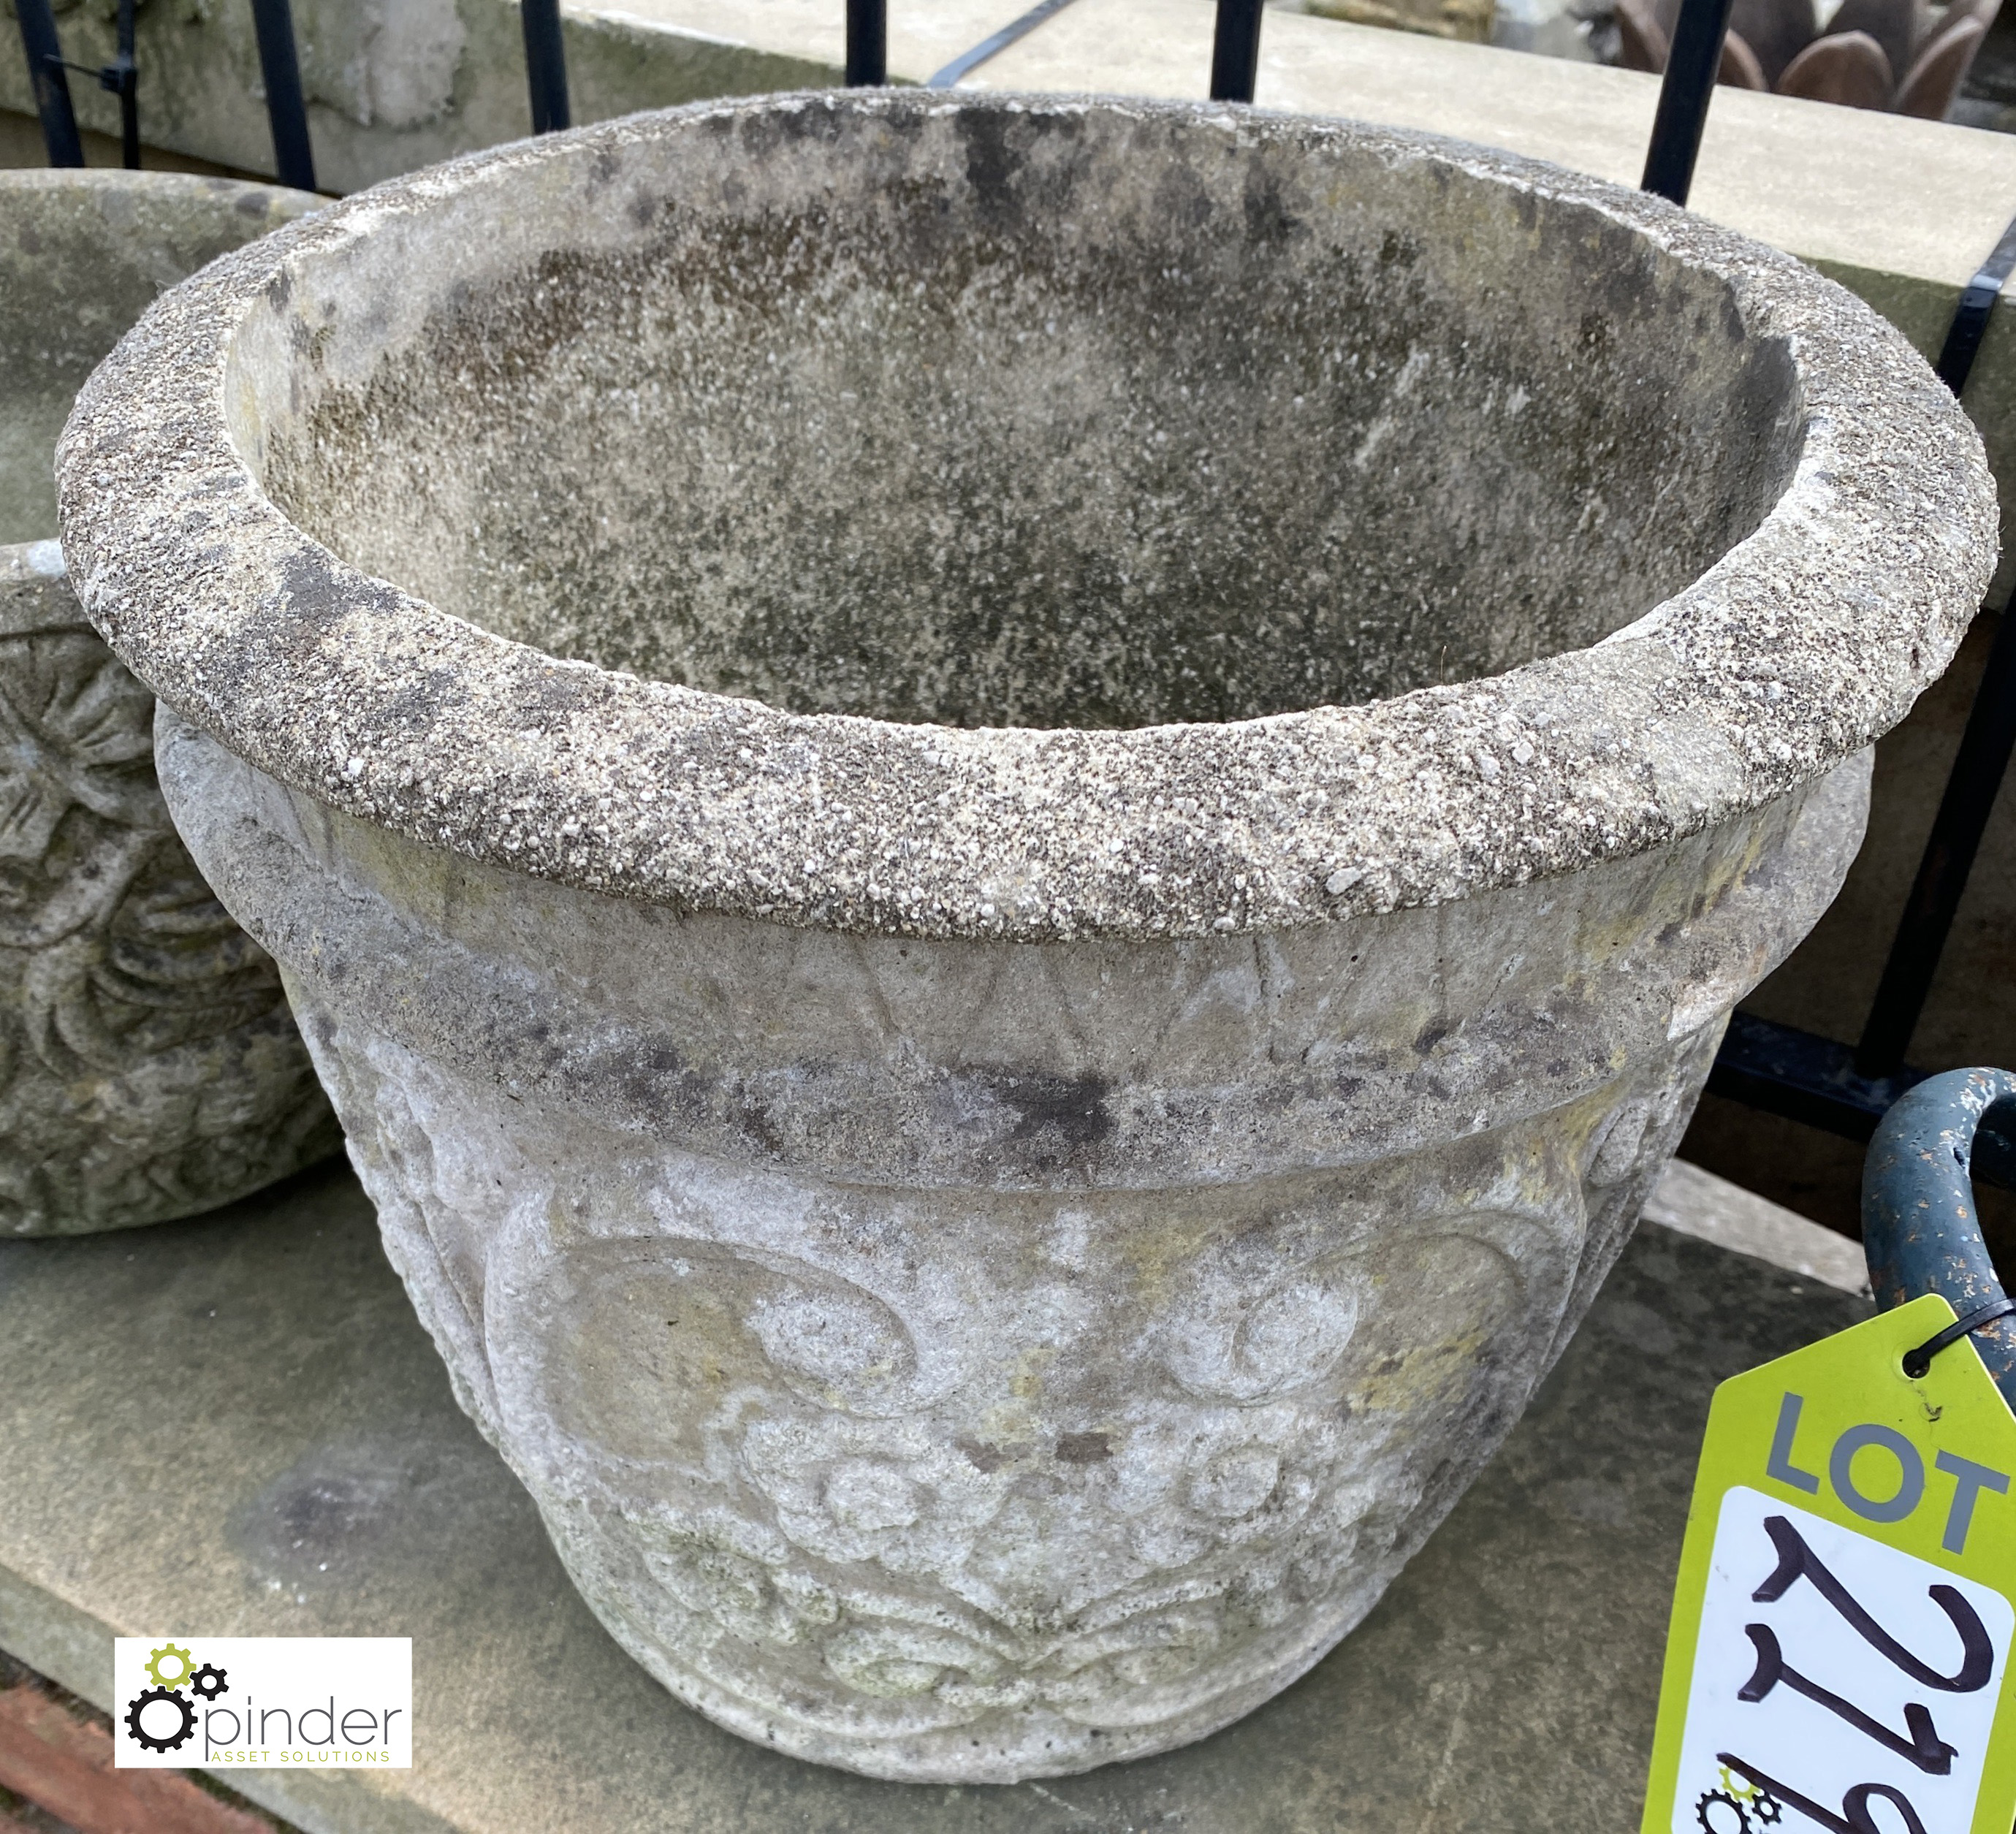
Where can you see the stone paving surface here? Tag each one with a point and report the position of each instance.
(234, 1426)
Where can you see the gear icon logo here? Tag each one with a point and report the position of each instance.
(1719, 1812)
(171, 1668)
(173, 1656)
(152, 1742)
(1737, 1808)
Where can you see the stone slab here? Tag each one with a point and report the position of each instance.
(235, 1426)
(1825, 183)
(1697, 1203)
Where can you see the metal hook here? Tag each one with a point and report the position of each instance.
(1919, 1228)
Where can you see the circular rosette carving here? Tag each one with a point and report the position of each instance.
(1638, 1133)
(1252, 1346)
(1618, 1141)
(729, 1577)
(711, 1594)
(79, 734)
(1190, 1483)
(897, 1493)
(656, 1351)
(1282, 1310)
(1264, 1310)
(897, 1659)
(1301, 1366)
(117, 949)
(1446, 1309)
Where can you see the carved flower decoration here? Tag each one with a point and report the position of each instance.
(76, 729)
(122, 950)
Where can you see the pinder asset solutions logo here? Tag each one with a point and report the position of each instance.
(263, 1703)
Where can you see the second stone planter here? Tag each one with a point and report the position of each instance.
(1011, 830)
(149, 1067)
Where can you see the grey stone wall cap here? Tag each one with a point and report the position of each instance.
(1806, 641)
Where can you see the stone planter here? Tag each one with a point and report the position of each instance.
(149, 1068)
(1011, 830)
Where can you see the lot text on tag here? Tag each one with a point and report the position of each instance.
(1840, 1653)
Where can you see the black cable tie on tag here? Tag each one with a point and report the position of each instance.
(1918, 1363)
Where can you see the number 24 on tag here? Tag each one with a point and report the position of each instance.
(1839, 1657)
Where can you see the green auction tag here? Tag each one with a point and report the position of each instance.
(1839, 1654)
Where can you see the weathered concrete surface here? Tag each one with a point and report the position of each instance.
(1062, 548)
(1901, 211)
(235, 1426)
(953, 1359)
(148, 1067)
(1136, 1388)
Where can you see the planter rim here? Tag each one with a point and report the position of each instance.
(1805, 642)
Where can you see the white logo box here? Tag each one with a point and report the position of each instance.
(185, 1703)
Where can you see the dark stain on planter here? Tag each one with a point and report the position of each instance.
(1071, 1111)
(1084, 1448)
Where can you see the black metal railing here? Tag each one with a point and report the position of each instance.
(545, 65)
(287, 109)
(1843, 1089)
(1779, 1069)
(48, 72)
(1688, 87)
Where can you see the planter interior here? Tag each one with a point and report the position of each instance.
(1099, 463)
(1012, 830)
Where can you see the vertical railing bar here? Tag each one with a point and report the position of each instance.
(1978, 767)
(1235, 51)
(1790, 1066)
(1013, 33)
(52, 87)
(1691, 66)
(867, 44)
(286, 110)
(545, 66)
(1970, 316)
